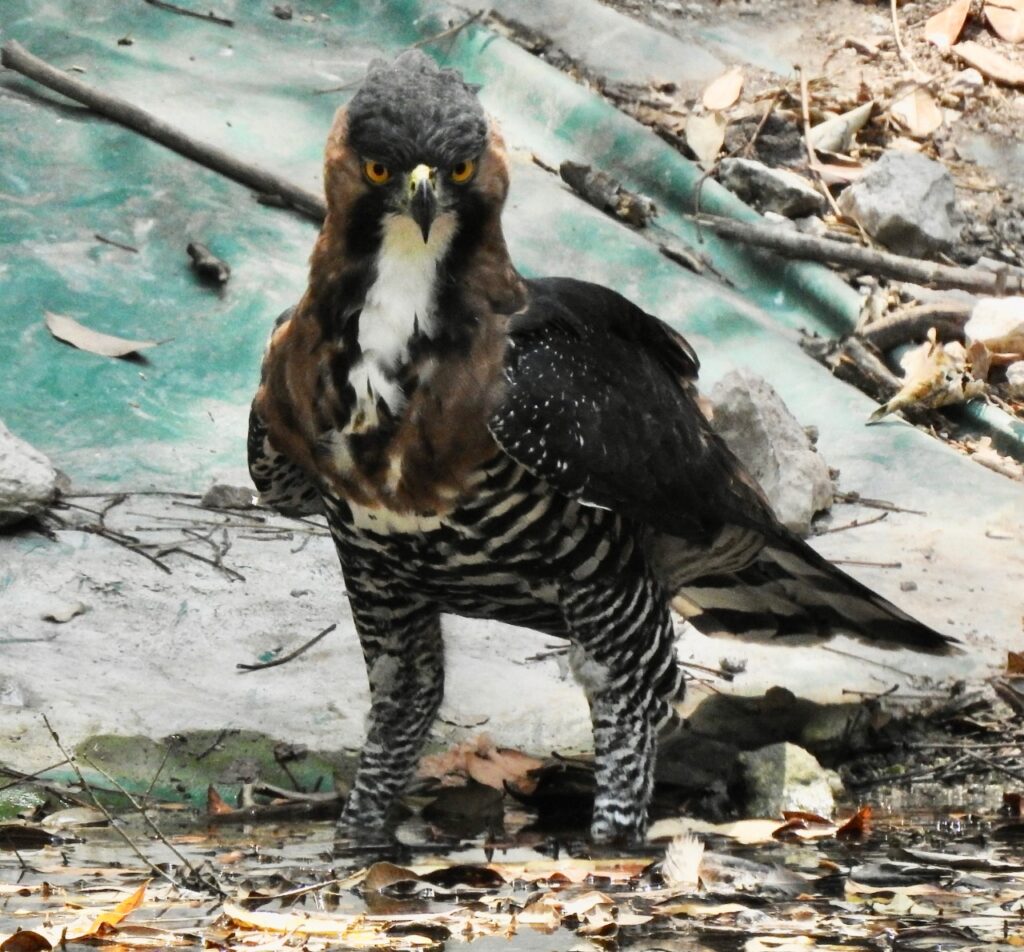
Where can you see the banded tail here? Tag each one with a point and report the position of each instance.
(792, 594)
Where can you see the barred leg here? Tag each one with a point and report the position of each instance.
(625, 659)
(402, 646)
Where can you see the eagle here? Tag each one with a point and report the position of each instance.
(528, 450)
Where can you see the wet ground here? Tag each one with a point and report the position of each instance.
(949, 879)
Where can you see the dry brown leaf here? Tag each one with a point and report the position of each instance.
(25, 941)
(721, 93)
(991, 64)
(838, 133)
(215, 803)
(1014, 662)
(918, 113)
(944, 28)
(857, 825)
(935, 375)
(1006, 17)
(358, 931)
(85, 338)
(381, 875)
(705, 135)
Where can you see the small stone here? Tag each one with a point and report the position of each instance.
(909, 585)
(28, 481)
(283, 11)
(783, 777)
(64, 612)
(770, 190)
(223, 496)
(758, 427)
(1015, 378)
(906, 202)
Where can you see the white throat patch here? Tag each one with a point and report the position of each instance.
(400, 301)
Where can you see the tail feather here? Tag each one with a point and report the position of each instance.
(791, 593)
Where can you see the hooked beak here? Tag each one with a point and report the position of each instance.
(422, 198)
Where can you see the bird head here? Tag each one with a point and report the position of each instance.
(413, 144)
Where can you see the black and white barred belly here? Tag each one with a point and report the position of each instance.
(506, 553)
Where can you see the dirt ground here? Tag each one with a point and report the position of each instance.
(849, 52)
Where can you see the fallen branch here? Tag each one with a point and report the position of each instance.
(790, 243)
(948, 319)
(14, 56)
(284, 659)
(174, 8)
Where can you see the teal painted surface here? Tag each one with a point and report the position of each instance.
(179, 419)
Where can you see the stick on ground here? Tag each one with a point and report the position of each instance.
(794, 244)
(14, 56)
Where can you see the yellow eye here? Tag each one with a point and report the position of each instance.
(462, 172)
(376, 172)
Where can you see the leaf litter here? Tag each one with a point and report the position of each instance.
(795, 882)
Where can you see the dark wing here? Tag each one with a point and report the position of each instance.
(282, 484)
(601, 403)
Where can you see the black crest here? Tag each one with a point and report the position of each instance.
(410, 111)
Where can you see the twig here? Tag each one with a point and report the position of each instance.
(856, 499)
(868, 563)
(174, 8)
(900, 48)
(14, 56)
(453, 30)
(271, 790)
(20, 777)
(913, 323)
(794, 244)
(162, 873)
(812, 159)
(116, 244)
(999, 768)
(861, 658)
(157, 832)
(284, 659)
(856, 524)
(202, 755)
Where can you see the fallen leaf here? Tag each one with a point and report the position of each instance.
(215, 803)
(1014, 662)
(989, 63)
(102, 922)
(721, 93)
(748, 832)
(84, 338)
(917, 112)
(837, 134)
(1006, 17)
(705, 135)
(857, 825)
(935, 375)
(943, 29)
(25, 941)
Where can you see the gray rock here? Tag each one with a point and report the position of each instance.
(1015, 378)
(28, 481)
(785, 777)
(770, 190)
(905, 201)
(751, 417)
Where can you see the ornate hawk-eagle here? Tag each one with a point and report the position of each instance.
(496, 447)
